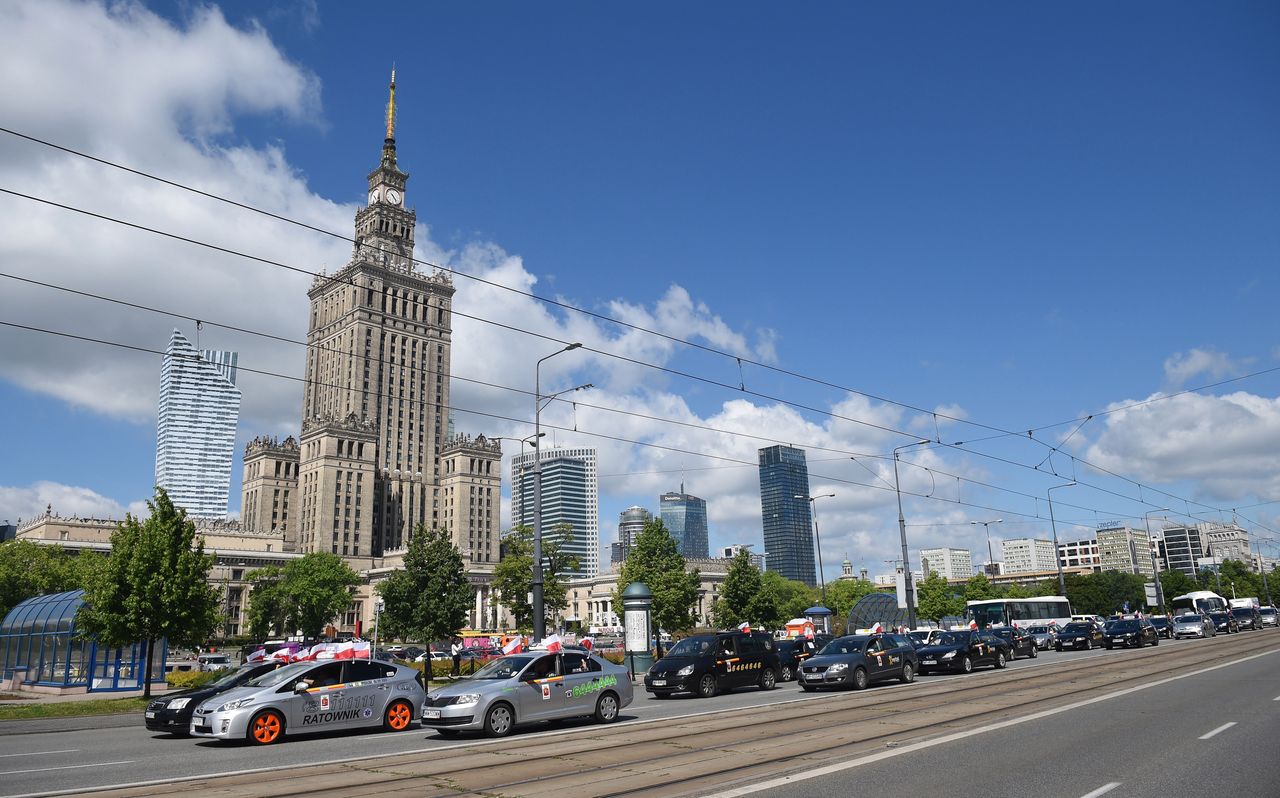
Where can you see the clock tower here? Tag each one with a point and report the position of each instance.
(384, 223)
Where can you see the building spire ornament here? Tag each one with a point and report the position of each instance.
(389, 144)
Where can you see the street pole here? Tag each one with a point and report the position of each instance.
(986, 525)
(1155, 567)
(539, 621)
(822, 579)
(902, 533)
(1062, 580)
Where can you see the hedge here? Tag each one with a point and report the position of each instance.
(187, 680)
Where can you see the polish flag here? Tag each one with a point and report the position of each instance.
(257, 656)
(280, 655)
(877, 629)
(808, 632)
(744, 627)
(301, 655)
(362, 650)
(586, 643)
(552, 643)
(973, 625)
(514, 646)
(345, 650)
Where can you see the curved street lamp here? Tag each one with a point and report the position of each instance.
(991, 560)
(1062, 580)
(902, 533)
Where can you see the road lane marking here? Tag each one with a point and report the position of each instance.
(1103, 790)
(786, 781)
(65, 767)
(1218, 730)
(42, 753)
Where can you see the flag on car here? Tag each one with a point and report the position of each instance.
(280, 655)
(973, 625)
(345, 650)
(877, 629)
(586, 643)
(257, 656)
(514, 646)
(744, 627)
(552, 643)
(361, 649)
(808, 631)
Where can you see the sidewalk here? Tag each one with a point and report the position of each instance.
(32, 699)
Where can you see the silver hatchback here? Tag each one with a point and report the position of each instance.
(310, 697)
(528, 688)
(1192, 625)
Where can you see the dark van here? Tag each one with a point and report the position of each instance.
(708, 664)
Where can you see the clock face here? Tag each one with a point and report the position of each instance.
(373, 196)
(393, 197)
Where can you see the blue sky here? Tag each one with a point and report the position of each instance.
(1022, 214)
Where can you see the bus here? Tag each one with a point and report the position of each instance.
(1039, 611)
(1198, 601)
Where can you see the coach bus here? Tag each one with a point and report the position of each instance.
(1039, 611)
(1200, 601)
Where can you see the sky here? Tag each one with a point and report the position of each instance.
(857, 226)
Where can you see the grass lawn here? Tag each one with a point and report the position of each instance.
(70, 709)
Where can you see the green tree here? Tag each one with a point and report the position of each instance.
(30, 569)
(979, 588)
(794, 597)
(655, 560)
(430, 598)
(741, 587)
(1176, 583)
(1106, 592)
(513, 576)
(154, 585)
(937, 598)
(304, 596)
(842, 594)
(1016, 591)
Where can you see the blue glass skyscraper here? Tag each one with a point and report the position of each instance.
(685, 517)
(788, 529)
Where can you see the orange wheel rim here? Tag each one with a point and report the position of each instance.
(398, 716)
(266, 728)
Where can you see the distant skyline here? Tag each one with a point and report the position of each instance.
(1018, 230)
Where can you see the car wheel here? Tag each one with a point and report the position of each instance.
(499, 720)
(706, 686)
(787, 674)
(767, 680)
(1035, 652)
(267, 727)
(398, 716)
(966, 664)
(908, 673)
(1000, 660)
(607, 708)
(860, 679)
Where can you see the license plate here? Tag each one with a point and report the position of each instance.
(928, 662)
(659, 682)
(150, 715)
(813, 677)
(431, 714)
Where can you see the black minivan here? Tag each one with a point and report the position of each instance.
(708, 664)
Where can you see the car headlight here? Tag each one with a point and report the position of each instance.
(230, 705)
(1127, 634)
(466, 699)
(178, 703)
(948, 655)
(687, 670)
(839, 667)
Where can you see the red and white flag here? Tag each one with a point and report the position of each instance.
(257, 656)
(973, 625)
(586, 643)
(808, 631)
(877, 629)
(345, 650)
(552, 643)
(300, 655)
(744, 627)
(362, 650)
(281, 655)
(514, 646)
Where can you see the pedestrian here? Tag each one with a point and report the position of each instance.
(456, 650)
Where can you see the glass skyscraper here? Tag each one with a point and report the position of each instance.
(685, 517)
(196, 427)
(570, 495)
(631, 523)
(788, 529)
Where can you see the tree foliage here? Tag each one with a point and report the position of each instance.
(938, 599)
(30, 569)
(1176, 583)
(842, 594)
(513, 576)
(154, 585)
(655, 560)
(303, 596)
(794, 597)
(1106, 592)
(430, 598)
(741, 587)
(979, 588)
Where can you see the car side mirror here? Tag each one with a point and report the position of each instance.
(301, 687)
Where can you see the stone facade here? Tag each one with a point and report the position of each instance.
(268, 501)
(337, 487)
(590, 601)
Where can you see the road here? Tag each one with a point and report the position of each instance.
(765, 734)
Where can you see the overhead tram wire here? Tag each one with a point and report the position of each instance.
(603, 436)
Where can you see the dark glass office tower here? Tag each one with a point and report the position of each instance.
(685, 517)
(788, 530)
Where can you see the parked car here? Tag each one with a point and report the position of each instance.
(1135, 632)
(1045, 635)
(712, 663)
(1193, 624)
(1021, 643)
(924, 637)
(1079, 634)
(858, 660)
(1163, 625)
(1247, 618)
(963, 650)
(1269, 616)
(172, 712)
(1224, 621)
(214, 662)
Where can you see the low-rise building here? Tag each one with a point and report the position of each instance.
(590, 600)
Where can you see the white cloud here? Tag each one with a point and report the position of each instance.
(1180, 367)
(25, 502)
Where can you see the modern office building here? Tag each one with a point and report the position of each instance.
(1079, 554)
(570, 495)
(196, 427)
(1183, 548)
(1023, 555)
(947, 563)
(1123, 548)
(685, 517)
(631, 522)
(788, 527)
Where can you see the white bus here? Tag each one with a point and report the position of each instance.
(1198, 601)
(1039, 611)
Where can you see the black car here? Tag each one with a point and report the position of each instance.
(172, 712)
(708, 664)
(796, 650)
(1247, 618)
(1078, 634)
(961, 651)
(1224, 621)
(1021, 642)
(858, 660)
(1163, 625)
(1135, 632)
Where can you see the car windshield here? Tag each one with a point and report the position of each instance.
(1267, 611)
(1218, 616)
(280, 675)
(844, 645)
(1077, 628)
(918, 637)
(690, 647)
(954, 639)
(1122, 626)
(1038, 630)
(1187, 619)
(1006, 633)
(233, 678)
(1239, 611)
(504, 668)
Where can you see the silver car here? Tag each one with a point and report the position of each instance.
(1044, 635)
(310, 697)
(527, 688)
(1192, 625)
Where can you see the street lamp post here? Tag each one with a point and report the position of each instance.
(902, 533)
(986, 525)
(539, 621)
(822, 579)
(1155, 567)
(1057, 558)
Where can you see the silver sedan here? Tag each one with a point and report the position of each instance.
(1193, 626)
(528, 688)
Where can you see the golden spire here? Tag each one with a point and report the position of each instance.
(391, 107)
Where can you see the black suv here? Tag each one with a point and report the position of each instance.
(714, 663)
(1224, 621)
(1136, 632)
(1024, 645)
(1247, 618)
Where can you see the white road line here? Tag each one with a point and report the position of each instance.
(1218, 730)
(42, 753)
(1103, 790)
(65, 767)
(1277, 698)
(786, 781)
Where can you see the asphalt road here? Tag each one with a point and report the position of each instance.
(42, 762)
